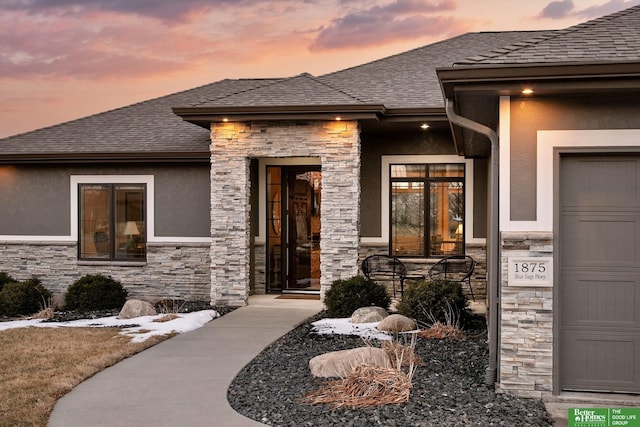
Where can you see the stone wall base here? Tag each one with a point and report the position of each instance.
(175, 270)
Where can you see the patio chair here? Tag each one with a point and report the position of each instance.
(455, 268)
(384, 268)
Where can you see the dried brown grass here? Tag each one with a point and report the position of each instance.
(441, 331)
(166, 318)
(402, 355)
(366, 386)
(40, 365)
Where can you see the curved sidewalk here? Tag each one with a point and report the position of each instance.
(183, 381)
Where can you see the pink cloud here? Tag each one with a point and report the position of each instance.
(560, 9)
(396, 21)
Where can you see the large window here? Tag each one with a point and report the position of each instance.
(112, 223)
(427, 210)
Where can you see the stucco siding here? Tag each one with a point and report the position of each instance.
(528, 115)
(35, 200)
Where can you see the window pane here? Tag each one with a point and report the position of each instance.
(94, 221)
(446, 218)
(446, 170)
(408, 171)
(130, 227)
(407, 218)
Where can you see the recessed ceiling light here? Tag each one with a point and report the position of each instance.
(527, 91)
(424, 126)
(224, 119)
(338, 118)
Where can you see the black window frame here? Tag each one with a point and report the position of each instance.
(115, 254)
(426, 181)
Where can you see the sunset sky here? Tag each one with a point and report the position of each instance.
(65, 59)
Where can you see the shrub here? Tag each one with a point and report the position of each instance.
(5, 278)
(429, 302)
(22, 298)
(95, 292)
(346, 296)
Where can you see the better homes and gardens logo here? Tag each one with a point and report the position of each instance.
(603, 417)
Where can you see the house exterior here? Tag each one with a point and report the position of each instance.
(285, 185)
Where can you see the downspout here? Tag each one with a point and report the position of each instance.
(493, 237)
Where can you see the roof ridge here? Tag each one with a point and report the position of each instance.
(551, 35)
(268, 82)
(426, 46)
(134, 104)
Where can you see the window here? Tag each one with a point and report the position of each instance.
(427, 209)
(112, 223)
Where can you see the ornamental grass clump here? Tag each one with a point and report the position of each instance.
(370, 385)
(429, 302)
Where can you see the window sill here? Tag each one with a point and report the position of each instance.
(114, 263)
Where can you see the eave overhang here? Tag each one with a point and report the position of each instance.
(204, 116)
(133, 157)
(483, 84)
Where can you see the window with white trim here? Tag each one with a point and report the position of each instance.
(112, 221)
(427, 210)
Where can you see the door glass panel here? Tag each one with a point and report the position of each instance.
(274, 227)
(94, 221)
(304, 230)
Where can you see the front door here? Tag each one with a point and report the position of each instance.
(599, 289)
(293, 216)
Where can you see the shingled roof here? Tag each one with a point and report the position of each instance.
(614, 37)
(143, 129)
(406, 81)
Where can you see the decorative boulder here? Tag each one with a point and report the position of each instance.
(397, 323)
(341, 363)
(136, 308)
(368, 315)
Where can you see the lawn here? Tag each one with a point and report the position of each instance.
(40, 365)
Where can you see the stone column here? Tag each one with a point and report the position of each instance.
(230, 237)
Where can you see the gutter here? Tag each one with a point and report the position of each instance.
(493, 237)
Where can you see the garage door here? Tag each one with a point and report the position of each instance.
(599, 289)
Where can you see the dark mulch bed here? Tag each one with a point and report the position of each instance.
(448, 388)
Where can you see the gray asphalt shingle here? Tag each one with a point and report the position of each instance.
(614, 37)
(406, 80)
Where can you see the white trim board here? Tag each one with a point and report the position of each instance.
(547, 141)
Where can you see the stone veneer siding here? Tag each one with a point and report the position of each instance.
(172, 270)
(526, 323)
(336, 143)
(421, 266)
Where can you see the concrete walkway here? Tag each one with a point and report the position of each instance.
(183, 381)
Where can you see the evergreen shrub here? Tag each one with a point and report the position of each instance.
(346, 296)
(23, 298)
(95, 292)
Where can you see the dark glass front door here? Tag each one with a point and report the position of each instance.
(293, 247)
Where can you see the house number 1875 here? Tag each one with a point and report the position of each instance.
(530, 267)
(531, 271)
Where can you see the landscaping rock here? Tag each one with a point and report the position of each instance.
(341, 363)
(397, 323)
(368, 315)
(136, 308)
